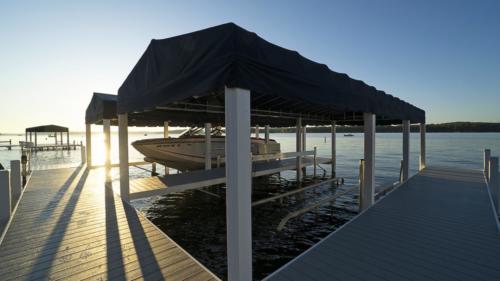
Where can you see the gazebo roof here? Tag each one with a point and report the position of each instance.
(47, 129)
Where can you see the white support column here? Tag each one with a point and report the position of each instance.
(55, 138)
(304, 133)
(5, 196)
(67, 139)
(208, 146)
(165, 135)
(106, 128)
(487, 155)
(422, 147)
(298, 136)
(88, 144)
(165, 129)
(83, 154)
(239, 184)
(61, 137)
(368, 193)
(15, 180)
(257, 131)
(494, 180)
(266, 133)
(123, 144)
(406, 150)
(334, 149)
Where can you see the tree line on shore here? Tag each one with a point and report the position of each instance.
(453, 127)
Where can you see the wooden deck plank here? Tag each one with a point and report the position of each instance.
(70, 225)
(437, 226)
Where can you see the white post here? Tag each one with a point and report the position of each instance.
(165, 129)
(106, 128)
(368, 192)
(55, 137)
(422, 147)
(67, 139)
(5, 196)
(334, 149)
(208, 146)
(298, 136)
(88, 145)
(123, 144)
(304, 138)
(315, 161)
(257, 131)
(266, 133)
(494, 181)
(15, 180)
(487, 155)
(61, 137)
(84, 159)
(406, 149)
(239, 184)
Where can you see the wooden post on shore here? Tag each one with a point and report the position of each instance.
(5, 197)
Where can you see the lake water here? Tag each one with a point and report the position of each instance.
(196, 219)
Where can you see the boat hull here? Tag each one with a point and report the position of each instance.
(186, 154)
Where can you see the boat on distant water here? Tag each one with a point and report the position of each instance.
(348, 135)
(187, 152)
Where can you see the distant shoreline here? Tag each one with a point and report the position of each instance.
(453, 127)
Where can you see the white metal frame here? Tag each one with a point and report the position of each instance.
(123, 151)
(239, 184)
(367, 192)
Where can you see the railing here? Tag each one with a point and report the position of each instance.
(492, 177)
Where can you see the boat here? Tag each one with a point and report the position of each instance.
(348, 135)
(187, 152)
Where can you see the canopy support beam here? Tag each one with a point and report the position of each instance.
(367, 192)
(334, 149)
(208, 146)
(406, 150)
(422, 146)
(123, 145)
(239, 184)
(298, 142)
(88, 144)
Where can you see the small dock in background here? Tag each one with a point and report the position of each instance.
(69, 225)
(438, 225)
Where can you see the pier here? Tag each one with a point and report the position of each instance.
(438, 225)
(70, 225)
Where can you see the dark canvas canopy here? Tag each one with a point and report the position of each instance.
(182, 79)
(47, 129)
(101, 106)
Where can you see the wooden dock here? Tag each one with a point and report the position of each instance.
(153, 186)
(439, 225)
(69, 225)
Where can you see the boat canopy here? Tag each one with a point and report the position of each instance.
(101, 106)
(181, 79)
(47, 129)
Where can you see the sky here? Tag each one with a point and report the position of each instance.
(442, 56)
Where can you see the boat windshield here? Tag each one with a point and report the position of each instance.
(198, 131)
